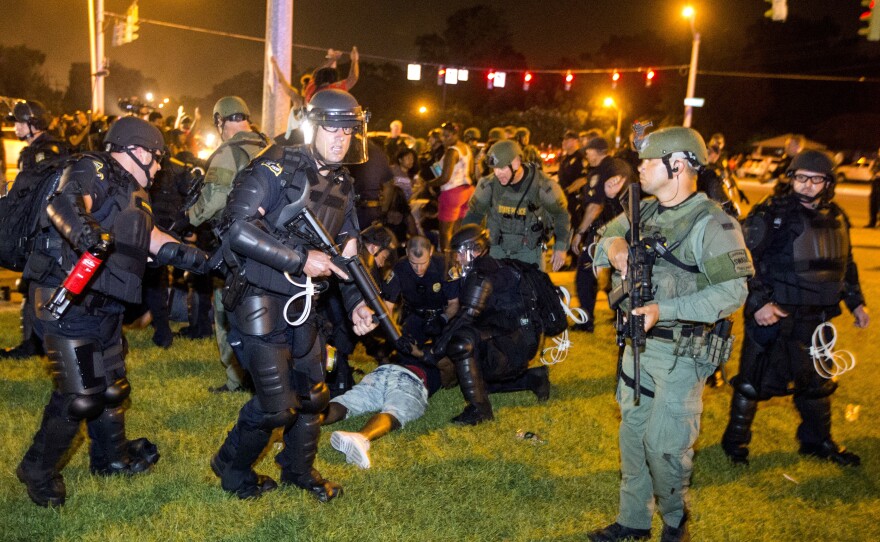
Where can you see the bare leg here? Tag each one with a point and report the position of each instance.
(379, 425)
(335, 412)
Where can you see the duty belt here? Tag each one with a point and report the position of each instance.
(426, 313)
(672, 334)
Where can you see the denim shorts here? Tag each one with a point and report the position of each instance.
(390, 389)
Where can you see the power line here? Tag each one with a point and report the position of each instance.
(584, 71)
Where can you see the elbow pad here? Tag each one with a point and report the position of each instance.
(473, 300)
(68, 214)
(182, 256)
(250, 241)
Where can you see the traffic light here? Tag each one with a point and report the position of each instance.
(527, 80)
(131, 23)
(615, 77)
(649, 77)
(490, 80)
(872, 18)
(118, 34)
(568, 80)
(441, 76)
(778, 10)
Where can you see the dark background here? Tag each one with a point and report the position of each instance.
(44, 53)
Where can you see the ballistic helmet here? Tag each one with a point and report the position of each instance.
(472, 134)
(470, 241)
(231, 108)
(496, 133)
(666, 141)
(134, 132)
(380, 236)
(30, 112)
(812, 160)
(502, 153)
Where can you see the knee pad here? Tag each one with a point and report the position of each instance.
(117, 392)
(85, 407)
(825, 389)
(271, 420)
(461, 346)
(317, 399)
(745, 387)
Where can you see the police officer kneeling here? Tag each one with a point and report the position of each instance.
(101, 202)
(799, 239)
(491, 339)
(266, 259)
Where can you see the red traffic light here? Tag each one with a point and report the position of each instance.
(568, 79)
(649, 77)
(527, 79)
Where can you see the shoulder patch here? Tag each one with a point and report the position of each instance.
(98, 167)
(727, 226)
(274, 167)
(742, 263)
(453, 273)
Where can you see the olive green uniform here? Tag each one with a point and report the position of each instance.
(230, 157)
(516, 215)
(657, 436)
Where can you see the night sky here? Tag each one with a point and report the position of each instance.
(187, 63)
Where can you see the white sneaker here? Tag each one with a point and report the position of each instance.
(354, 445)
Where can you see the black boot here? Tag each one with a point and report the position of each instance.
(298, 458)
(111, 453)
(831, 451)
(535, 380)
(617, 532)
(39, 470)
(814, 432)
(738, 434)
(234, 464)
(676, 534)
(479, 409)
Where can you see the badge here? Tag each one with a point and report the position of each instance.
(390, 276)
(594, 180)
(273, 167)
(40, 157)
(436, 287)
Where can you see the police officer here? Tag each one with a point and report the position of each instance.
(429, 297)
(491, 339)
(520, 203)
(240, 145)
(269, 267)
(42, 151)
(701, 278)
(101, 202)
(800, 241)
(598, 211)
(31, 124)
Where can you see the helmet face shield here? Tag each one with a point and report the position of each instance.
(340, 144)
(465, 256)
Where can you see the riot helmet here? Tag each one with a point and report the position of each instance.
(129, 132)
(666, 141)
(338, 126)
(32, 113)
(468, 243)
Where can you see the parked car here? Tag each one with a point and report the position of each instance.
(11, 147)
(861, 171)
(761, 167)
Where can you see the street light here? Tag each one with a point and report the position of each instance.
(609, 102)
(689, 14)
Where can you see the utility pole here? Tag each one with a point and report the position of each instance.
(279, 44)
(96, 46)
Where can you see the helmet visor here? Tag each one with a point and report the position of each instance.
(338, 144)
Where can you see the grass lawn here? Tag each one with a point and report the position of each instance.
(434, 481)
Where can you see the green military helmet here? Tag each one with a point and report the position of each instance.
(230, 105)
(496, 133)
(666, 141)
(502, 153)
(472, 134)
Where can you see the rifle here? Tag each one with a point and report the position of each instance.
(307, 227)
(636, 285)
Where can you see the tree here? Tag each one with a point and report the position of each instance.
(20, 76)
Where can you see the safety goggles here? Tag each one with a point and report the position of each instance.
(812, 179)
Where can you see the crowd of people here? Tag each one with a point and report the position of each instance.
(297, 249)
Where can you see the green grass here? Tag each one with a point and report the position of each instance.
(435, 481)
